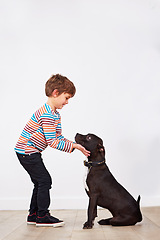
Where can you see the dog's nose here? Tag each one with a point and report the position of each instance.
(76, 135)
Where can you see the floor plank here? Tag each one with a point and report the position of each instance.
(10, 220)
(13, 227)
(25, 232)
(116, 233)
(153, 213)
(147, 229)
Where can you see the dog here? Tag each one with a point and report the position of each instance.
(103, 189)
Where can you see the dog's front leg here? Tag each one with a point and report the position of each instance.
(91, 211)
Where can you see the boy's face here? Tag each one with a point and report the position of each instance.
(61, 100)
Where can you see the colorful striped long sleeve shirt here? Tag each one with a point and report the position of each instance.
(43, 129)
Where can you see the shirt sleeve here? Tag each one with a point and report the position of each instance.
(53, 133)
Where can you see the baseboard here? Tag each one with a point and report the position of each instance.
(56, 203)
(66, 203)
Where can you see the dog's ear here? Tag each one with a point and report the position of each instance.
(101, 149)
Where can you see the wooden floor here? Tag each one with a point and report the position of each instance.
(13, 227)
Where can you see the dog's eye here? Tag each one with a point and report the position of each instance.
(88, 138)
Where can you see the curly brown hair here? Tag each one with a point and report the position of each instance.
(61, 83)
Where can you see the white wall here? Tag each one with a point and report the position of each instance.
(110, 49)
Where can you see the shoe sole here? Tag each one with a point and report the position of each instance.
(55, 225)
(31, 223)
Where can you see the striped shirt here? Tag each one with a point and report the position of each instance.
(43, 129)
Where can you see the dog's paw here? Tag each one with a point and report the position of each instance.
(87, 225)
(104, 221)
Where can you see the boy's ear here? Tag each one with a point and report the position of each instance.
(55, 93)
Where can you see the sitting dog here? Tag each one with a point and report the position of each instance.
(103, 189)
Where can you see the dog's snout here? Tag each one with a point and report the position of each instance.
(77, 134)
(77, 137)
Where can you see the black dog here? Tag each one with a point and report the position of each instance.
(104, 190)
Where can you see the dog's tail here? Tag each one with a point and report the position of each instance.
(139, 211)
(138, 200)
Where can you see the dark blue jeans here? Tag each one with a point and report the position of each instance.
(41, 179)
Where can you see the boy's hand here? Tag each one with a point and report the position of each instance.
(82, 149)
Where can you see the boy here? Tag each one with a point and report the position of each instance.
(43, 129)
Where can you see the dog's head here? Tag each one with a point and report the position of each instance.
(93, 144)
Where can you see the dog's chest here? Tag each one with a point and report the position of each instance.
(85, 179)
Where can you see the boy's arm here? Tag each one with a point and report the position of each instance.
(75, 145)
(53, 134)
